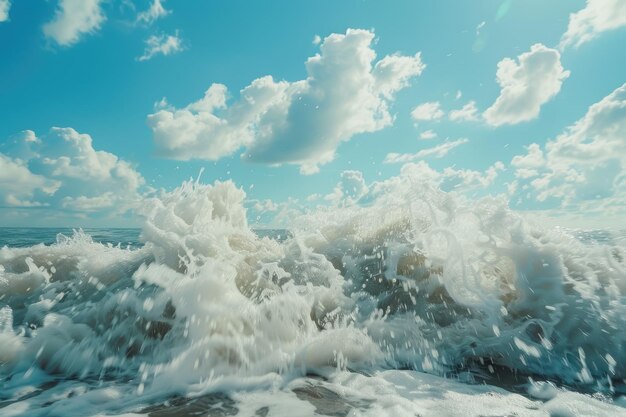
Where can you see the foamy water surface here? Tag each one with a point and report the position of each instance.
(417, 302)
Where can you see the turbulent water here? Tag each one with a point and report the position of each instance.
(414, 303)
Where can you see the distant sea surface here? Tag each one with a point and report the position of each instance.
(22, 237)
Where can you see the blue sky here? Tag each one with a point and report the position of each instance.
(104, 103)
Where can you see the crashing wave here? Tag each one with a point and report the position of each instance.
(413, 278)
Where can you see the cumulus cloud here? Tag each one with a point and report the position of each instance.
(596, 17)
(527, 165)
(465, 181)
(468, 179)
(73, 19)
(264, 205)
(427, 111)
(5, 6)
(155, 12)
(352, 184)
(526, 85)
(587, 162)
(353, 190)
(346, 92)
(350, 188)
(438, 151)
(468, 112)
(18, 185)
(63, 170)
(161, 45)
(428, 134)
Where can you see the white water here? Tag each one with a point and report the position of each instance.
(415, 279)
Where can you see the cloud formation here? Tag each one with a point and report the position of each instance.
(5, 6)
(346, 92)
(350, 188)
(161, 45)
(596, 17)
(586, 163)
(468, 113)
(428, 134)
(18, 185)
(73, 19)
(427, 111)
(155, 12)
(526, 85)
(62, 170)
(463, 181)
(438, 151)
(468, 179)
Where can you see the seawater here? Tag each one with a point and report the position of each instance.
(21, 237)
(418, 302)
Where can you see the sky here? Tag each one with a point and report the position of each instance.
(107, 103)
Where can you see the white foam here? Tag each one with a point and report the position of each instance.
(416, 279)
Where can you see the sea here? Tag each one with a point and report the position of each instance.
(418, 303)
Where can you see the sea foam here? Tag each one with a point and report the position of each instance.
(413, 278)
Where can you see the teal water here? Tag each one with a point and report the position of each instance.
(22, 237)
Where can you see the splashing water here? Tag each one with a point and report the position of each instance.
(415, 279)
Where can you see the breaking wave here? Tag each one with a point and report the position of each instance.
(414, 278)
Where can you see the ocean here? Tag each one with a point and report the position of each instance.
(21, 237)
(417, 304)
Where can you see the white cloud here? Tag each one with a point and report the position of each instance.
(67, 154)
(352, 184)
(63, 170)
(450, 179)
(526, 85)
(428, 134)
(74, 18)
(468, 112)
(196, 132)
(20, 146)
(467, 179)
(18, 185)
(88, 204)
(161, 45)
(596, 17)
(350, 189)
(264, 205)
(353, 190)
(313, 197)
(29, 136)
(346, 92)
(5, 6)
(155, 12)
(533, 159)
(438, 151)
(584, 164)
(427, 111)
